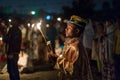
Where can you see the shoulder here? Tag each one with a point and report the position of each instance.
(75, 44)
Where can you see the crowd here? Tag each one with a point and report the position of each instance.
(101, 40)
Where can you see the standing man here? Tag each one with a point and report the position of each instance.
(74, 62)
(13, 44)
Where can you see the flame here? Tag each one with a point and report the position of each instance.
(39, 25)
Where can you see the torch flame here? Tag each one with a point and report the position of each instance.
(39, 25)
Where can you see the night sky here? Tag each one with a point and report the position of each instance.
(25, 6)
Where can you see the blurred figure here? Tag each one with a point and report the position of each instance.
(99, 43)
(88, 36)
(117, 50)
(103, 51)
(107, 60)
(73, 63)
(13, 45)
(110, 30)
(3, 31)
(22, 61)
(58, 46)
(3, 28)
(98, 50)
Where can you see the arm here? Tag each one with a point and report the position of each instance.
(73, 54)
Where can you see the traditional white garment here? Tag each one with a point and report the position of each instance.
(110, 40)
(88, 35)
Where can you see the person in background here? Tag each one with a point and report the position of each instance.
(22, 61)
(117, 50)
(58, 46)
(13, 44)
(98, 50)
(88, 36)
(108, 71)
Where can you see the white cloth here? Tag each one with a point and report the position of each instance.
(23, 60)
(88, 35)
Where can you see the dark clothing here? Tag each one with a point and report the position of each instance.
(117, 66)
(89, 52)
(13, 40)
(82, 70)
(12, 67)
(13, 45)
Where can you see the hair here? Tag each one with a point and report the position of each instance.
(17, 21)
(81, 29)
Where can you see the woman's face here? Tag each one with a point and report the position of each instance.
(69, 30)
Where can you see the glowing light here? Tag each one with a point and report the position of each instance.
(0, 38)
(33, 25)
(28, 24)
(59, 19)
(47, 25)
(48, 17)
(9, 20)
(33, 12)
(39, 25)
